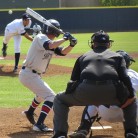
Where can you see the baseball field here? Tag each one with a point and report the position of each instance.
(14, 97)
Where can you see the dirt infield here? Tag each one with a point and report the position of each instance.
(14, 125)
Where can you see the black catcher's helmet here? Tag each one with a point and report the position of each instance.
(128, 59)
(100, 37)
(51, 30)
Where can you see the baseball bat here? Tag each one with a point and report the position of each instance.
(42, 19)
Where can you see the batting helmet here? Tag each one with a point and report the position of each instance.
(127, 57)
(51, 30)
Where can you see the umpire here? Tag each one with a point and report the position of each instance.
(98, 77)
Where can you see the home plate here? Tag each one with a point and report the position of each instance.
(1, 58)
(100, 127)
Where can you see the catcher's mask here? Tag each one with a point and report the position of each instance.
(51, 30)
(100, 38)
(127, 57)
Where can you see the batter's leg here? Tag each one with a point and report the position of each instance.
(30, 112)
(40, 126)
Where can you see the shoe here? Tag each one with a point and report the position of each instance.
(130, 135)
(15, 69)
(42, 128)
(79, 134)
(4, 53)
(30, 117)
(60, 135)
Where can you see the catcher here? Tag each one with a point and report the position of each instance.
(110, 114)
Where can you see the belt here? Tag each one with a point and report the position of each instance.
(100, 82)
(33, 71)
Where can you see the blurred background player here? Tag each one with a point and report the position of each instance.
(16, 29)
(110, 114)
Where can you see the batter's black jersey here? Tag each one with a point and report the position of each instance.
(101, 64)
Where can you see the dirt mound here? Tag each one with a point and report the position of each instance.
(52, 70)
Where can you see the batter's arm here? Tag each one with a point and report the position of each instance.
(66, 50)
(54, 44)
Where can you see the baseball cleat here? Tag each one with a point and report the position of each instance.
(30, 117)
(130, 135)
(15, 69)
(79, 134)
(42, 128)
(60, 137)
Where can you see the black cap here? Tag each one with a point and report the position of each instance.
(25, 16)
(101, 37)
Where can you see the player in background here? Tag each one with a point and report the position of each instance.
(110, 114)
(38, 58)
(16, 29)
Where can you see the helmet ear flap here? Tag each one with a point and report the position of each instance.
(92, 41)
(92, 38)
(51, 30)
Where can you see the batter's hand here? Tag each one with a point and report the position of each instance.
(67, 36)
(73, 41)
(128, 102)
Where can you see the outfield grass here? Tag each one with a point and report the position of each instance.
(14, 94)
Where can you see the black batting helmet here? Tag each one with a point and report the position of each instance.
(51, 30)
(127, 57)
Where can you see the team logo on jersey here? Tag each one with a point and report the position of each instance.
(47, 55)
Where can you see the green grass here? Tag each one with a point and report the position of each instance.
(63, 62)
(14, 94)
(122, 40)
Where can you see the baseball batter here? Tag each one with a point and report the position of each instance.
(39, 55)
(113, 113)
(16, 29)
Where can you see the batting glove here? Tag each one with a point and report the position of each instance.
(67, 36)
(73, 41)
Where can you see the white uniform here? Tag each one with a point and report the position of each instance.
(114, 113)
(15, 29)
(36, 63)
